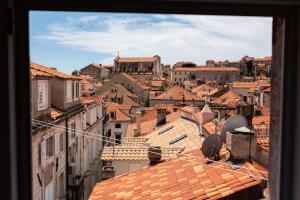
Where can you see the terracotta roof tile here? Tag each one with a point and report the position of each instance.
(35, 72)
(263, 142)
(91, 100)
(180, 179)
(137, 152)
(53, 72)
(229, 99)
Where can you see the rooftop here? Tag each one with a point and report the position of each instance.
(186, 177)
(177, 93)
(136, 153)
(137, 59)
(51, 71)
(164, 135)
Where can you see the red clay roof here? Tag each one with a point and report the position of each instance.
(228, 99)
(244, 84)
(38, 73)
(91, 100)
(52, 71)
(119, 114)
(263, 143)
(186, 177)
(264, 59)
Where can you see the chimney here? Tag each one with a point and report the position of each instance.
(241, 143)
(154, 155)
(161, 116)
(137, 131)
(247, 111)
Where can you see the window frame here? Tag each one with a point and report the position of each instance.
(16, 35)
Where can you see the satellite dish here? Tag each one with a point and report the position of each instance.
(212, 146)
(232, 123)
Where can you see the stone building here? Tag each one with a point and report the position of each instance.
(60, 124)
(97, 71)
(140, 65)
(202, 74)
(178, 96)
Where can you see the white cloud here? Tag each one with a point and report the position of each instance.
(173, 37)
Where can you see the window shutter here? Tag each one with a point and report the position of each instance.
(43, 153)
(69, 91)
(84, 121)
(57, 143)
(39, 95)
(46, 95)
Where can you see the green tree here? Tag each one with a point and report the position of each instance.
(75, 72)
(250, 67)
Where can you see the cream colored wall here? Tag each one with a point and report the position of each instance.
(122, 166)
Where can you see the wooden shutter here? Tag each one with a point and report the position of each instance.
(69, 91)
(39, 95)
(57, 143)
(45, 100)
(43, 153)
(84, 121)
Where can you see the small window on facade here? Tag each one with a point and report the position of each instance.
(42, 91)
(117, 125)
(69, 91)
(175, 79)
(50, 146)
(61, 142)
(72, 129)
(77, 90)
(118, 138)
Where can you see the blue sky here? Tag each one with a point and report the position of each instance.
(72, 40)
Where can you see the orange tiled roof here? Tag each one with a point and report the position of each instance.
(210, 127)
(55, 113)
(52, 71)
(237, 84)
(137, 152)
(35, 72)
(264, 59)
(91, 100)
(263, 142)
(177, 93)
(265, 119)
(149, 115)
(119, 114)
(180, 178)
(229, 99)
(156, 83)
(204, 68)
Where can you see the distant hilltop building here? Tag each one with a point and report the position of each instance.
(97, 71)
(138, 65)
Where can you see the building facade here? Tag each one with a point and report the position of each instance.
(204, 74)
(140, 65)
